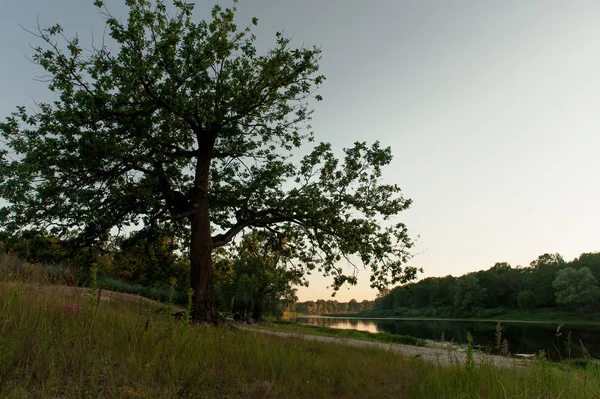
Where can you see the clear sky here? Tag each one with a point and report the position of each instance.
(491, 107)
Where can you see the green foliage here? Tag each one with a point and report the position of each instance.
(170, 309)
(187, 122)
(501, 292)
(150, 257)
(255, 279)
(35, 247)
(576, 289)
(539, 278)
(161, 293)
(502, 284)
(186, 315)
(469, 360)
(38, 246)
(332, 307)
(93, 298)
(468, 295)
(589, 260)
(526, 300)
(501, 344)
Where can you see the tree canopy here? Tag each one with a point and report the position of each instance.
(576, 289)
(185, 122)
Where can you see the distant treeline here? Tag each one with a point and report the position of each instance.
(548, 282)
(330, 307)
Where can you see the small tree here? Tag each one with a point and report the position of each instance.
(258, 280)
(186, 122)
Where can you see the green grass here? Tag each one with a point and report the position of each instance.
(59, 342)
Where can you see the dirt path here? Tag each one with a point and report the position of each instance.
(443, 357)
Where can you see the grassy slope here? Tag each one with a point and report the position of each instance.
(127, 349)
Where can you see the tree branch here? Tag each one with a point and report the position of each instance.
(259, 219)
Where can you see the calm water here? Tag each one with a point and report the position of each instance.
(522, 337)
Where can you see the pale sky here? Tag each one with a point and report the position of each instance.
(491, 107)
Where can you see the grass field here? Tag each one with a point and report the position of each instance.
(64, 342)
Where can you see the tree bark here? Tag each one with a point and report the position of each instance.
(201, 272)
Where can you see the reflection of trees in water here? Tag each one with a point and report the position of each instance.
(521, 337)
(342, 324)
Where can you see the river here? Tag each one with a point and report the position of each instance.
(522, 337)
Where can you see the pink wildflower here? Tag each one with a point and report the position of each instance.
(72, 308)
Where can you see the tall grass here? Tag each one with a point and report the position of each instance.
(48, 350)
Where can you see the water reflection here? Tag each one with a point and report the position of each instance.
(521, 337)
(346, 324)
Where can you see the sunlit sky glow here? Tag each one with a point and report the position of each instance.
(491, 107)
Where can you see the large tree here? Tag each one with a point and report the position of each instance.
(170, 119)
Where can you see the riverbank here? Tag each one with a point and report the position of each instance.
(431, 350)
(445, 357)
(558, 341)
(554, 318)
(303, 329)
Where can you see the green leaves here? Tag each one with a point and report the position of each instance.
(335, 213)
(576, 289)
(259, 280)
(185, 117)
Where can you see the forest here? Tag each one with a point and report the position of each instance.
(331, 307)
(549, 282)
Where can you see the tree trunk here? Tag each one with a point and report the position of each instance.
(201, 272)
(258, 309)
